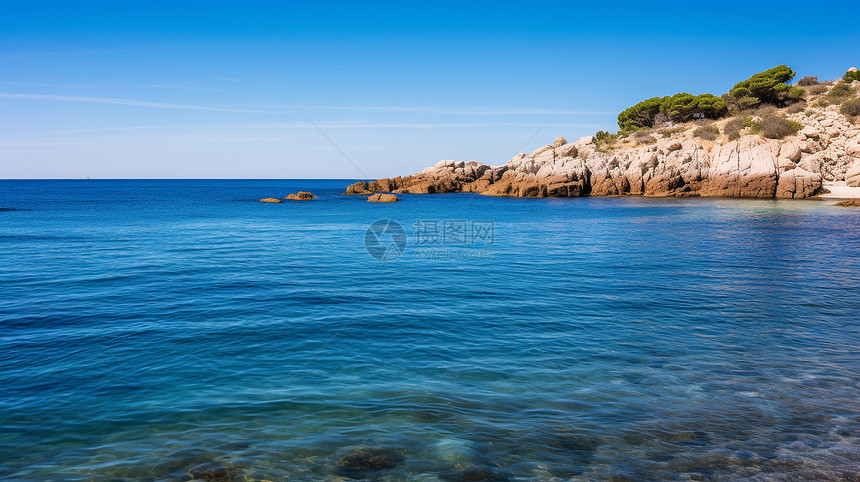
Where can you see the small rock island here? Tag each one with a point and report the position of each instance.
(300, 196)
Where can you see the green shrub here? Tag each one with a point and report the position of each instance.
(671, 131)
(740, 103)
(733, 127)
(768, 87)
(643, 136)
(840, 93)
(677, 108)
(683, 107)
(707, 132)
(639, 116)
(603, 140)
(808, 81)
(816, 89)
(852, 75)
(775, 127)
(796, 107)
(764, 110)
(850, 108)
(603, 136)
(747, 122)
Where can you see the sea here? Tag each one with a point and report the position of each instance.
(170, 329)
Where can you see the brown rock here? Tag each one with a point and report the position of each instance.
(270, 200)
(849, 203)
(360, 187)
(300, 196)
(810, 131)
(852, 175)
(798, 184)
(609, 182)
(743, 168)
(365, 462)
(383, 198)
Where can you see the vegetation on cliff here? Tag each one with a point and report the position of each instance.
(757, 105)
(676, 108)
(775, 126)
(851, 108)
(769, 87)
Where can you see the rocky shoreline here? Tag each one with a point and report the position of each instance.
(674, 161)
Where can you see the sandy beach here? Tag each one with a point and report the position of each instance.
(838, 190)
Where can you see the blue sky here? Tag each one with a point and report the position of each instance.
(233, 89)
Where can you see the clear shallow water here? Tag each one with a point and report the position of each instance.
(150, 326)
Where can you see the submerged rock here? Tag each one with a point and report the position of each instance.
(849, 203)
(485, 472)
(573, 443)
(365, 461)
(571, 453)
(300, 196)
(270, 200)
(462, 460)
(383, 198)
(215, 472)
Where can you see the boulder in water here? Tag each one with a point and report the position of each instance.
(383, 198)
(270, 200)
(300, 196)
(485, 472)
(362, 462)
(215, 472)
(361, 187)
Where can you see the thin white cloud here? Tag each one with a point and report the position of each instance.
(458, 110)
(64, 86)
(367, 108)
(22, 55)
(305, 125)
(135, 103)
(183, 87)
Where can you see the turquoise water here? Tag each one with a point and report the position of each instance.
(147, 327)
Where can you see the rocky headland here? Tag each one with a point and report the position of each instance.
(790, 150)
